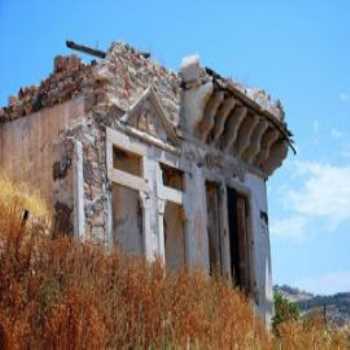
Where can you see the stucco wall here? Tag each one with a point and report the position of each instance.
(34, 151)
(261, 247)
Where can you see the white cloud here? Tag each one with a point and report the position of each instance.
(329, 283)
(293, 227)
(337, 134)
(325, 192)
(323, 198)
(344, 96)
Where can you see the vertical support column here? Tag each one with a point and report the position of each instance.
(149, 205)
(195, 204)
(160, 205)
(261, 248)
(147, 229)
(109, 184)
(161, 241)
(109, 215)
(258, 284)
(264, 226)
(79, 214)
(268, 280)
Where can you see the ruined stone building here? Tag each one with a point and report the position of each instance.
(164, 164)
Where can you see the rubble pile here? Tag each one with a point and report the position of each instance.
(119, 79)
(66, 81)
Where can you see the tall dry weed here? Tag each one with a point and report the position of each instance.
(312, 333)
(64, 294)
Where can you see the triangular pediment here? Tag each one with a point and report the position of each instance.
(148, 115)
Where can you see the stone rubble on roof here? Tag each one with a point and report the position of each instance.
(119, 79)
(264, 100)
(128, 74)
(69, 77)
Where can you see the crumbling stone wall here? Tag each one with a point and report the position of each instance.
(119, 80)
(126, 74)
(69, 79)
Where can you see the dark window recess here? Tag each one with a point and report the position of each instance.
(214, 228)
(239, 239)
(174, 237)
(264, 217)
(232, 223)
(172, 177)
(127, 219)
(127, 161)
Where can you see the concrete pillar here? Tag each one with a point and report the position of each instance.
(148, 239)
(161, 241)
(261, 256)
(79, 213)
(150, 205)
(195, 205)
(193, 102)
(194, 95)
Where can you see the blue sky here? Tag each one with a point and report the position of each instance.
(298, 51)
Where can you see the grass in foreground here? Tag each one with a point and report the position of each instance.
(63, 294)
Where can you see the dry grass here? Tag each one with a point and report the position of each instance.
(62, 294)
(18, 196)
(311, 334)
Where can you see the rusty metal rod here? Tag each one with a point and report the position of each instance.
(85, 49)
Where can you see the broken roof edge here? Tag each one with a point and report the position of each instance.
(272, 110)
(67, 80)
(281, 125)
(239, 90)
(193, 74)
(48, 93)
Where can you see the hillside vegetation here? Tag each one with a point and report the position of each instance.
(335, 308)
(63, 294)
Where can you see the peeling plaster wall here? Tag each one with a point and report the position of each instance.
(195, 204)
(34, 151)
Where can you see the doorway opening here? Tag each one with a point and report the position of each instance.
(237, 207)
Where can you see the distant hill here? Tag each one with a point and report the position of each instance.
(337, 306)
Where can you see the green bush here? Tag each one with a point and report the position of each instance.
(285, 310)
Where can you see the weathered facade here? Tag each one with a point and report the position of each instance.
(172, 165)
